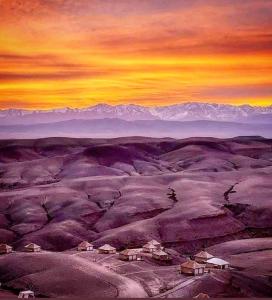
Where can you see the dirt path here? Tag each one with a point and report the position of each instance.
(152, 270)
(178, 287)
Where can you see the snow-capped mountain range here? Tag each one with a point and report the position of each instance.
(190, 111)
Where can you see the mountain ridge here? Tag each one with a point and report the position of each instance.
(189, 111)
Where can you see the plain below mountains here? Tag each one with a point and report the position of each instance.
(110, 128)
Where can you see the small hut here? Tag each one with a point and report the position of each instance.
(106, 249)
(202, 257)
(149, 247)
(160, 255)
(5, 249)
(191, 267)
(26, 294)
(217, 263)
(32, 248)
(85, 246)
(156, 244)
(129, 254)
(202, 296)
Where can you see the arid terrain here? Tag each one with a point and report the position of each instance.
(57, 192)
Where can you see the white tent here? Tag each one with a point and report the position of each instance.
(217, 263)
(26, 294)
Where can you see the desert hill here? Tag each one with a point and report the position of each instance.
(57, 192)
(110, 190)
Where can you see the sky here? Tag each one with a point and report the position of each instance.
(77, 53)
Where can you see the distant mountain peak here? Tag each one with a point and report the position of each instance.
(189, 111)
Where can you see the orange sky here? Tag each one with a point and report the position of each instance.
(77, 53)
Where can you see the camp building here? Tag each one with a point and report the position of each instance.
(152, 246)
(160, 255)
(32, 248)
(106, 249)
(156, 244)
(202, 257)
(5, 249)
(26, 294)
(85, 246)
(217, 263)
(191, 267)
(130, 254)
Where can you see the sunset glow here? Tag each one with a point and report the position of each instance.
(59, 53)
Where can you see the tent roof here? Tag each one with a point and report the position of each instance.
(85, 244)
(204, 254)
(150, 245)
(154, 242)
(27, 292)
(191, 264)
(129, 252)
(160, 252)
(217, 261)
(32, 245)
(107, 247)
(5, 246)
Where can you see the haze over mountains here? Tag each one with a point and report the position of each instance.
(103, 120)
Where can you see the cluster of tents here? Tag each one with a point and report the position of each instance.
(202, 261)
